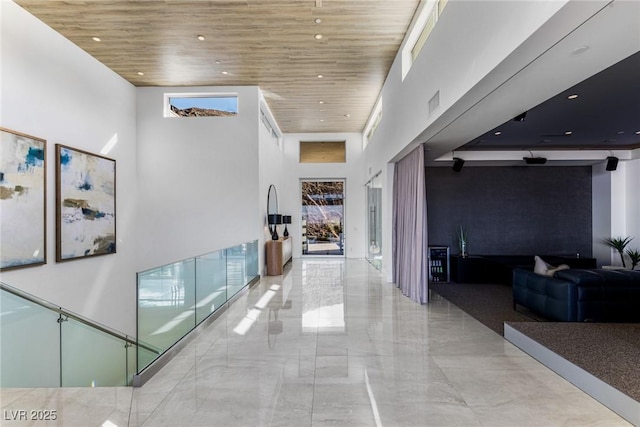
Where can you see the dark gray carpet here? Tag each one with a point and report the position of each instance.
(490, 304)
(609, 351)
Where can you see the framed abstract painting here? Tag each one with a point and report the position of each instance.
(85, 204)
(23, 200)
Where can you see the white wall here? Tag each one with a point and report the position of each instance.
(619, 200)
(387, 217)
(632, 169)
(197, 179)
(270, 171)
(352, 171)
(601, 209)
(53, 90)
(616, 207)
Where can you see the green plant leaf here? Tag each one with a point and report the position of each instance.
(634, 256)
(618, 243)
(462, 234)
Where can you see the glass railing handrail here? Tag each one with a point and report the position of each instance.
(50, 306)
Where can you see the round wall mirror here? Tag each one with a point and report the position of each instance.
(272, 200)
(272, 211)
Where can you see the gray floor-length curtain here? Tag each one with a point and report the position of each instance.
(410, 227)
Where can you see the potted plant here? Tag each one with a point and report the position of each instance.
(634, 256)
(619, 244)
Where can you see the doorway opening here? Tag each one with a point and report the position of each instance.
(374, 221)
(322, 217)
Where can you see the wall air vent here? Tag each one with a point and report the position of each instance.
(434, 102)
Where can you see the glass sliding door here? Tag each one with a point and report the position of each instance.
(374, 221)
(322, 217)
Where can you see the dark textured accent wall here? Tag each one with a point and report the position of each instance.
(511, 210)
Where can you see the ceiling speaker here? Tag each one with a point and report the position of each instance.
(612, 163)
(457, 164)
(535, 160)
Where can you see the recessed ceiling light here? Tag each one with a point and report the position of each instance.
(200, 37)
(322, 120)
(620, 132)
(218, 61)
(317, 20)
(638, 132)
(317, 36)
(321, 102)
(568, 132)
(225, 72)
(498, 133)
(96, 39)
(320, 76)
(348, 116)
(574, 96)
(140, 73)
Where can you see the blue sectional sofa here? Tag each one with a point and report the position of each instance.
(576, 295)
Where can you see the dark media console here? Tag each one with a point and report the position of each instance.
(499, 268)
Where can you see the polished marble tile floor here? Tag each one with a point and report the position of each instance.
(331, 344)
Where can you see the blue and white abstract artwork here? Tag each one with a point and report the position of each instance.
(22, 200)
(86, 204)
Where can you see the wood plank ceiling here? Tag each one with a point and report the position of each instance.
(268, 43)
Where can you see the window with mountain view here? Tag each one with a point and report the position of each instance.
(201, 105)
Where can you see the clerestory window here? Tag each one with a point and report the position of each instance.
(201, 105)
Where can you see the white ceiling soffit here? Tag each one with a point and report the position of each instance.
(612, 34)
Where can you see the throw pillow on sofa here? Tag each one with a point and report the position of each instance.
(546, 269)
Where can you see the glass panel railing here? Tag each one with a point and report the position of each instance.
(132, 362)
(84, 349)
(236, 269)
(143, 356)
(166, 300)
(26, 329)
(211, 277)
(174, 299)
(252, 260)
(44, 345)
